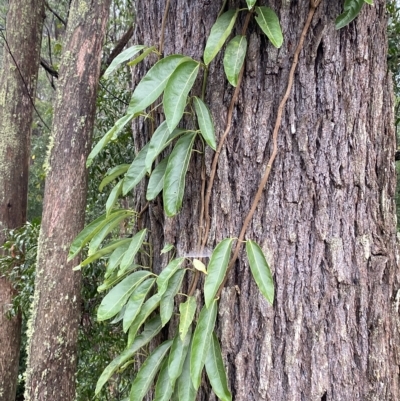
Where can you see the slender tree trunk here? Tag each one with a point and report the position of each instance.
(18, 79)
(326, 220)
(56, 306)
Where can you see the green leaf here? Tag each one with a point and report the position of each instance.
(186, 391)
(200, 266)
(133, 249)
(113, 197)
(115, 258)
(156, 144)
(112, 174)
(269, 23)
(138, 59)
(218, 35)
(153, 84)
(122, 57)
(156, 180)
(260, 270)
(250, 3)
(177, 90)
(136, 171)
(113, 302)
(148, 307)
(187, 310)
(371, 2)
(205, 122)
(235, 54)
(350, 11)
(118, 127)
(167, 273)
(177, 356)
(167, 300)
(135, 302)
(201, 342)
(216, 371)
(167, 248)
(217, 269)
(174, 180)
(151, 329)
(164, 388)
(148, 371)
(114, 279)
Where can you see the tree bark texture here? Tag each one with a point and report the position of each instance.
(56, 307)
(18, 80)
(326, 221)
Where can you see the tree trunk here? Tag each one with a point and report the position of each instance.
(326, 220)
(56, 306)
(18, 80)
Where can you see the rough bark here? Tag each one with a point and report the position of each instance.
(17, 92)
(56, 307)
(327, 217)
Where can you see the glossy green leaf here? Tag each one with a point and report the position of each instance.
(113, 197)
(156, 181)
(129, 256)
(216, 371)
(120, 316)
(187, 310)
(218, 35)
(235, 54)
(113, 174)
(370, 2)
(177, 355)
(148, 371)
(113, 302)
(148, 307)
(167, 300)
(136, 171)
(117, 128)
(154, 82)
(350, 11)
(174, 180)
(167, 248)
(186, 391)
(260, 270)
(121, 58)
(206, 124)
(156, 144)
(135, 302)
(114, 279)
(250, 3)
(201, 342)
(269, 23)
(138, 59)
(115, 258)
(151, 329)
(177, 90)
(167, 273)
(217, 269)
(164, 388)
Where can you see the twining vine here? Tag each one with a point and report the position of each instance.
(137, 296)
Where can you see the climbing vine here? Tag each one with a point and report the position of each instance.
(142, 300)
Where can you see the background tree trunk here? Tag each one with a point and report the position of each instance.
(56, 306)
(327, 217)
(18, 79)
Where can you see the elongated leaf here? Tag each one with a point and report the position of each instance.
(156, 180)
(167, 273)
(250, 3)
(114, 301)
(122, 57)
(148, 307)
(113, 197)
(167, 300)
(206, 124)
(177, 356)
(235, 54)
(119, 316)
(138, 59)
(135, 302)
(156, 144)
(113, 174)
(217, 269)
(153, 84)
(151, 329)
(133, 249)
(200, 266)
(115, 258)
(177, 90)
(136, 171)
(218, 35)
(269, 23)
(260, 270)
(174, 180)
(371, 2)
(148, 371)
(164, 388)
(216, 371)
(201, 342)
(114, 279)
(187, 310)
(350, 11)
(186, 391)
(117, 128)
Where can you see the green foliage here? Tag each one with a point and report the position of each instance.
(351, 9)
(234, 58)
(269, 23)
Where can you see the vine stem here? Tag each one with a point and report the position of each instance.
(313, 6)
(164, 21)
